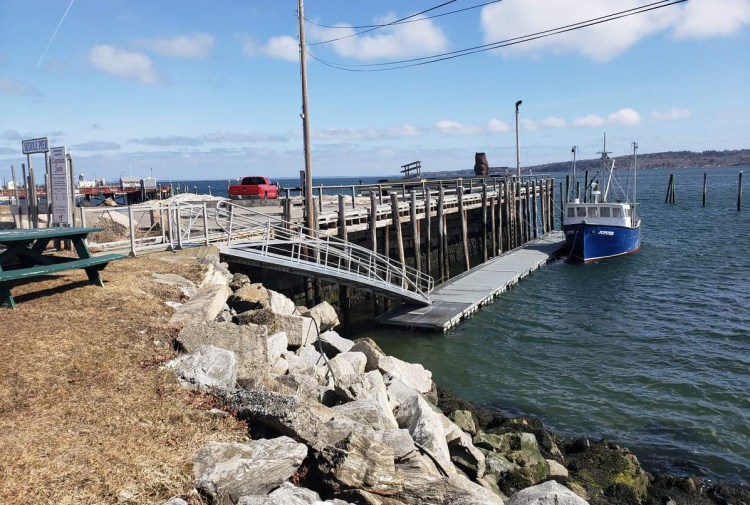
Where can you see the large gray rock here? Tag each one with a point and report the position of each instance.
(426, 428)
(299, 330)
(369, 412)
(250, 297)
(324, 315)
(371, 350)
(280, 304)
(332, 343)
(367, 386)
(467, 457)
(204, 305)
(398, 391)
(304, 385)
(453, 490)
(411, 374)
(207, 368)
(277, 344)
(288, 494)
(249, 343)
(187, 286)
(238, 281)
(548, 493)
(216, 273)
(230, 469)
(310, 356)
(358, 360)
(340, 367)
(464, 420)
(527, 465)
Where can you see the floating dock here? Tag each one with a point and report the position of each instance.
(465, 293)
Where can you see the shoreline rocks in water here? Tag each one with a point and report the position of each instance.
(338, 421)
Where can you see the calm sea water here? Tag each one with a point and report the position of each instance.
(650, 350)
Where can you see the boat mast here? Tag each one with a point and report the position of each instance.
(604, 154)
(635, 176)
(574, 150)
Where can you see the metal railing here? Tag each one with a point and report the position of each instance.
(283, 242)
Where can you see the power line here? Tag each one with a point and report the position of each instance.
(387, 24)
(405, 21)
(413, 62)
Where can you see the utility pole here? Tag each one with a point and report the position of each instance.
(305, 119)
(518, 146)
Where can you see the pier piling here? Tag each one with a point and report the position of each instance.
(705, 179)
(739, 193)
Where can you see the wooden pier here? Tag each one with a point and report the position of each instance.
(465, 293)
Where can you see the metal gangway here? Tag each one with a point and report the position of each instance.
(274, 243)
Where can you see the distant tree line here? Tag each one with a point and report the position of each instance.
(669, 159)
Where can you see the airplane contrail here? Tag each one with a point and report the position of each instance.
(53, 35)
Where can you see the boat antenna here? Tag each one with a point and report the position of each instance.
(518, 146)
(573, 150)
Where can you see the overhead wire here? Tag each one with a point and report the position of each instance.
(405, 20)
(413, 62)
(383, 26)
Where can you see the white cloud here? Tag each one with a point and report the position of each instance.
(397, 41)
(283, 47)
(10, 86)
(552, 122)
(712, 18)
(495, 125)
(447, 126)
(366, 134)
(669, 115)
(529, 124)
(624, 117)
(590, 120)
(185, 46)
(125, 64)
(602, 42)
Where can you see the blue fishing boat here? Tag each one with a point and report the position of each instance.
(597, 228)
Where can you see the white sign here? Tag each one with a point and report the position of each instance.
(60, 187)
(35, 145)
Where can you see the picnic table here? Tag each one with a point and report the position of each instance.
(24, 257)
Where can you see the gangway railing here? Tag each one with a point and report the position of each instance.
(271, 239)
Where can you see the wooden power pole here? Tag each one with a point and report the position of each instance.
(305, 119)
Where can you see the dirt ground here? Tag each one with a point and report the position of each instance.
(86, 416)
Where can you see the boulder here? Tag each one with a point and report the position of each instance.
(249, 297)
(397, 439)
(276, 343)
(358, 360)
(556, 470)
(398, 391)
(310, 356)
(206, 368)
(411, 374)
(280, 366)
(302, 385)
(288, 494)
(548, 493)
(300, 330)
(249, 343)
(340, 367)
(280, 304)
(369, 412)
(371, 351)
(529, 466)
(216, 274)
(367, 386)
(426, 428)
(453, 490)
(324, 315)
(204, 305)
(332, 343)
(175, 501)
(464, 420)
(490, 442)
(231, 469)
(465, 456)
(238, 281)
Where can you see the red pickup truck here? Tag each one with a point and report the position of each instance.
(255, 186)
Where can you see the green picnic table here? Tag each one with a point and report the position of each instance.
(24, 258)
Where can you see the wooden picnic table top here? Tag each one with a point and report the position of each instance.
(8, 236)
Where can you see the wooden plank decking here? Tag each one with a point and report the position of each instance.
(468, 291)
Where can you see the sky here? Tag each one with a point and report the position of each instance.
(185, 89)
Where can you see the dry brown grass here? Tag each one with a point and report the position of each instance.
(86, 416)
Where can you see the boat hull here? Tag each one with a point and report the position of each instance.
(591, 242)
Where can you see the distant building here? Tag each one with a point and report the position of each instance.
(130, 182)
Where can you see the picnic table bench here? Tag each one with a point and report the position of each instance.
(24, 258)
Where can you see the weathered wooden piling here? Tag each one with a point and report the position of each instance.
(739, 193)
(464, 232)
(705, 181)
(533, 209)
(428, 228)
(396, 218)
(416, 247)
(670, 190)
(484, 222)
(441, 234)
(344, 299)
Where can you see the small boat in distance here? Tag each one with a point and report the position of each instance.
(597, 228)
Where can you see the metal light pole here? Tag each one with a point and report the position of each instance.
(518, 146)
(305, 118)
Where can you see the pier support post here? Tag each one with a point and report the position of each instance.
(484, 221)
(533, 209)
(464, 231)
(441, 233)
(374, 238)
(543, 204)
(739, 193)
(344, 297)
(527, 215)
(493, 227)
(519, 214)
(705, 181)
(397, 227)
(552, 205)
(586, 187)
(415, 231)
(428, 226)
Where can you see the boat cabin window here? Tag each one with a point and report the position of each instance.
(628, 212)
(571, 212)
(581, 211)
(593, 212)
(604, 211)
(616, 212)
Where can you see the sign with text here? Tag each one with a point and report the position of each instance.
(32, 146)
(60, 187)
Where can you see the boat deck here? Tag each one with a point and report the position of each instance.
(465, 293)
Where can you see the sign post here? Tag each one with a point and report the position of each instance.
(61, 196)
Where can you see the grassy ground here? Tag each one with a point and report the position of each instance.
(86, 416)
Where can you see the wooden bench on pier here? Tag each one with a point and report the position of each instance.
(24, 258)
